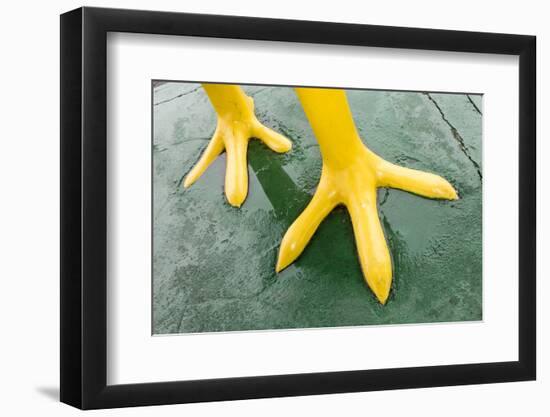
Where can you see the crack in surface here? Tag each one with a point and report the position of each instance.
(178, 96)
(258, 91)
(473, 104)
(457, 136)
(180, 182)
(385, 197)
(157, 148)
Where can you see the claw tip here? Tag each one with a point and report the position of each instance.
(383, 298)
(279, 267)
(282, 263)
(235, 197)
(381, 287)
(454, 194)
(235, 202)
(284, 147)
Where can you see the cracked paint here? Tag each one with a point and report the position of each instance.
(473, 104)
(456, 134)
(178, 96)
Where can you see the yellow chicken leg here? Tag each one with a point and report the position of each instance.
(350, 175)
(237, 124)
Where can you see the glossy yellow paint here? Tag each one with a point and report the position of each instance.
(350, 175)
(236, 125)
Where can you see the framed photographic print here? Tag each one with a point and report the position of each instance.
(257, 207)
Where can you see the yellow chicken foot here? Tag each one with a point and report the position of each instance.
(350, 175)
(236, 125)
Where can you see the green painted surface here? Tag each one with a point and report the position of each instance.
(213, 265)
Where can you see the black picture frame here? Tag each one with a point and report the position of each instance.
(84, 207)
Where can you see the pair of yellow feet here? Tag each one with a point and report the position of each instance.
(350, 175)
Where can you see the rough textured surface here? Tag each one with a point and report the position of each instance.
(213, 265)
